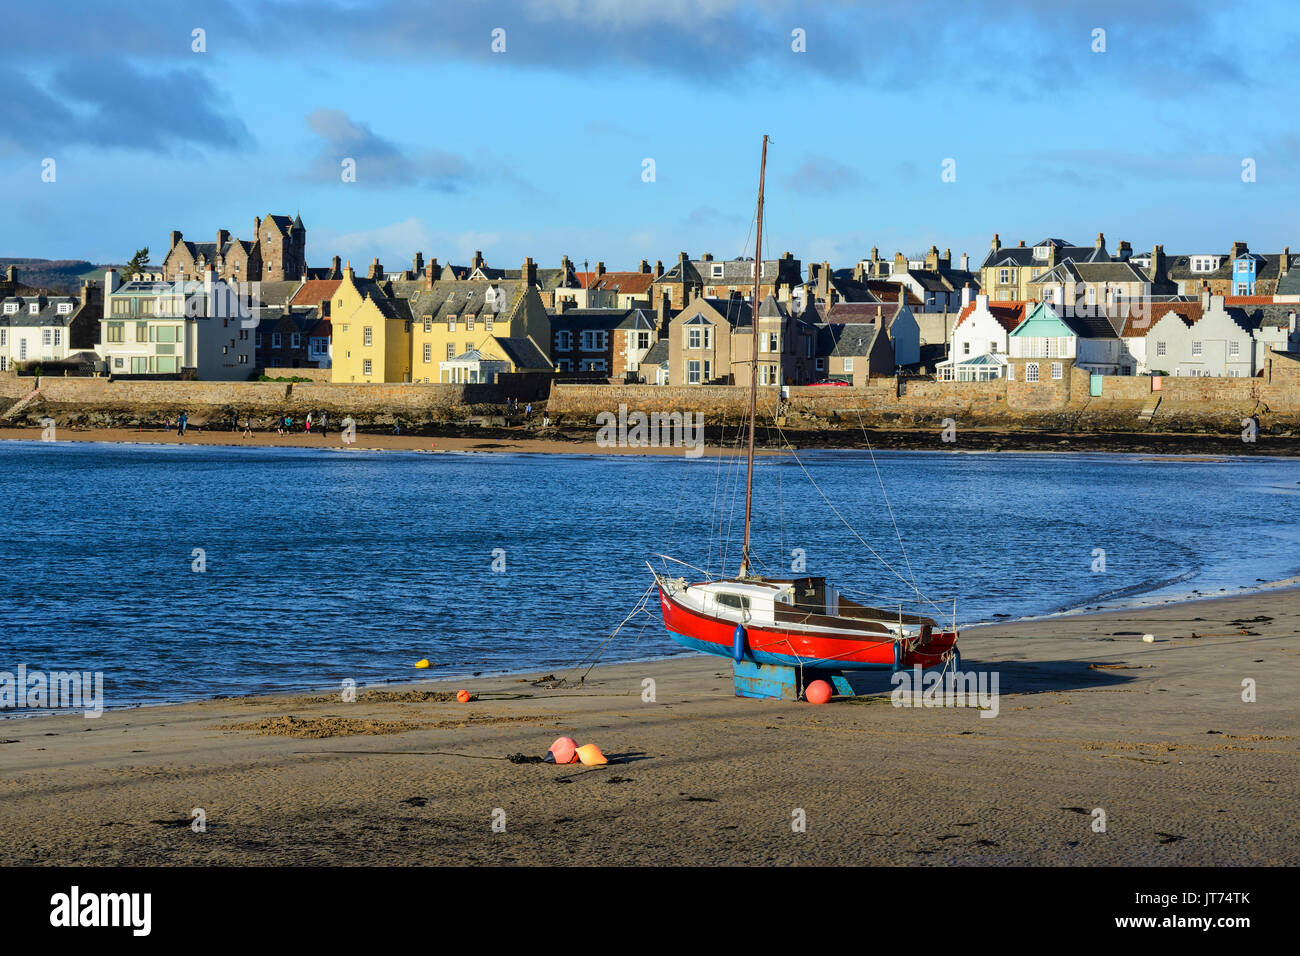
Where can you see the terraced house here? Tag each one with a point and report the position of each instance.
(435, 330)
(720, 278)
(1007, 272)
(49, 329)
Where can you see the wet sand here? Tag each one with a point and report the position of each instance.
(1089, 717)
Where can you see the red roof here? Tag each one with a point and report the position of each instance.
(315, 291)
(1008, 314)
(1136, 327)
(1248, 300)
(625, 283)
(585, 279)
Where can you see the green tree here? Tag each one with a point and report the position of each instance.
(137, 264)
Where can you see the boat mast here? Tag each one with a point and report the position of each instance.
(753, 370)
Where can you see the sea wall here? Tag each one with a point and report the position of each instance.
(1180, 404)
(94, 401)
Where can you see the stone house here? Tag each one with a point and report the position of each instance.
(276, 253)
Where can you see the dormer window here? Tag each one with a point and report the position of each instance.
(34, 308)
(64, 308)
(11, 308)
(1040, 252)
(717, 270)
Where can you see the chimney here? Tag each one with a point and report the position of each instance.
(335, 271)
(223, 237)
(257, 228)
(824, 280)
(965, 295)
(859, 273)
(1284, 264)
(659, 268)
(600, 268)
(1022, 243)
(645, 267)
(112, 281)
(1101, 241)
(432, 271)
(477, 260)
(1125, 251)
(1157, 270)
(1051, 254)
(708, 257)
(11, 273)
(932, 259)
(1239, 249)
(376, 270)
(996, 244)
(529, 272)
(965, 262)
(176, 237)
(1205, 297)
(417, 266)
(348, 273)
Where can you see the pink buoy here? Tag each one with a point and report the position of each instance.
(818, 692)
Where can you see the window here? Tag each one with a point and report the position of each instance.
(993, 348)
(469, 323)
(243, 335)
(708, 371)
(1161, 347)
(4, 336)
(593, 365)
(367, 336)
(4, 363)
(34, 308)
(766, 374)
(821, 365)
(717, 270)
(428, 352)
(45, 336)
(487, 323)
(1234, 348)
(693, 372)
(771, 341)
(965, 348)
(243, 358)
(1011, 372)
(708, 338)
(1004, 276)
(1040, 252)
(428, 326)
(1057, 371)
(451, 323)
(848, 363)
(736, 601)
(1243, 288)
(366, 367)
(64, 308)
(22, 349)
(147, 306)
(58, 333)
(1031, 372)
(295, 340)
(275, 340)
(1197, 348)
(593, 340)
(12, 307)
(693, 338)
(142, 331)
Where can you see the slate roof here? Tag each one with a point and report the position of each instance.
(524, 353)
(46, 315)
(734, 271)
(1024, 255)
(658, 354)
(449, 297)
(1090, 272)
(578, 319)
(857, 312)
(1268, 316)
(853, 339)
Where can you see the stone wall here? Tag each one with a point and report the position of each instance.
(1185, 404)
(104, 402)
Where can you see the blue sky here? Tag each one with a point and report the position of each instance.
(539, 150)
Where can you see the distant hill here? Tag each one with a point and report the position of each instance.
(56, 275)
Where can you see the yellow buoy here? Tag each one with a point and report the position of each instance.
(423, 663)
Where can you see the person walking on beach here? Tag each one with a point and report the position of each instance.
(324, 423)
(309, 423)
(528, 411)
(248, 427)
(181, 424)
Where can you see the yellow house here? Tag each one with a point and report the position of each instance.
(1008, 271)
(466, 331)
(370, 330)
(440, 331)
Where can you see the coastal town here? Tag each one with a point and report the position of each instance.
(240, 309)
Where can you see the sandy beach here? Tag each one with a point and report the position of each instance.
(1088, 718)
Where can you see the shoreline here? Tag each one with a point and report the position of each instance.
(1088, 716)
(1172, 447)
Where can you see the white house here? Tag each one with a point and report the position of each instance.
(166, 328)
(1088, 341)
(1218, 343)
(47, 328)
(980, 341)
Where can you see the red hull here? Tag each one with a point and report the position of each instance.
(808, 648)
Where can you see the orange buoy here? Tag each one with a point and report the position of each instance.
(564, 750)
(818, 692)
(462, 696)
(590, 755)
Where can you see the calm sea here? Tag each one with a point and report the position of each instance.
(325, 565)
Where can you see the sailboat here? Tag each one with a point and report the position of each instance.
(782, 633)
